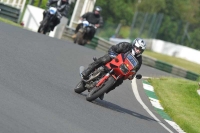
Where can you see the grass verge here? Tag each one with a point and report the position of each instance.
(9, 22)
(180, 100)
(191, 66)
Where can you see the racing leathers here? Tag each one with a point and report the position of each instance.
(62, 8)
(92, 18)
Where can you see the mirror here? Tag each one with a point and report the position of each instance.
(138, 76)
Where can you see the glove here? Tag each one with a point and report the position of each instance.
(131, 77)
(112, 54)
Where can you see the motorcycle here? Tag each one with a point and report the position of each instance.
(48, 20)
(82, 34)
(103, 78)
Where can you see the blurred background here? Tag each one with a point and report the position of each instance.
(175, 21)
(170, 27)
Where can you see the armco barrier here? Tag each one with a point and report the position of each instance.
(103, 45)
(163, 66)
(9, 12)
(192, 76)
(93, 43)
(179, 71)
(146, 60)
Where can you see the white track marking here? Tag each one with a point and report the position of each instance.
(136, 93)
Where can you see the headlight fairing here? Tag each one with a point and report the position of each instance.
(124, 68)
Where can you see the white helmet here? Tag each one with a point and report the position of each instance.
(140, 44)
(98, 8)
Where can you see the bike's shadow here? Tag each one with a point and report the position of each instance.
(119, 109)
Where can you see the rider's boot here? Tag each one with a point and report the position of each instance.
(91, 67)
(86, 73)
(97, 63)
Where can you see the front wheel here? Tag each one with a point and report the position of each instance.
(96, 92)
(78, 37)
(43, 27)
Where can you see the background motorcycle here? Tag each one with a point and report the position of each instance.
(82, 35)
(48, 20)
(103, 78)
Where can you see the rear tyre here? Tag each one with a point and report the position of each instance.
(80, 38)
(80, 87)
(43, 27)
(76, 40)
(83, 42)
(96, 92)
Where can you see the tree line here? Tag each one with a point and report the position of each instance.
(174, 21)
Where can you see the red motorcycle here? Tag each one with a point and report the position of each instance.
(103, 78)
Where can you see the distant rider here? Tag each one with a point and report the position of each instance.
(94, 18)
(62, 7)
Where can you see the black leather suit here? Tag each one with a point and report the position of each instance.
(62, 8)
(92, 18)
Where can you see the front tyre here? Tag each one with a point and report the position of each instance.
(43, 27)
(80, 37)
(96, 92)
(80, 87)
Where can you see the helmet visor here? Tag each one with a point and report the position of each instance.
(138, 50)
(98, 9)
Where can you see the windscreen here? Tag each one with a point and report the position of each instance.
(132, 60)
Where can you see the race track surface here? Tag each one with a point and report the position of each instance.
(37, 79)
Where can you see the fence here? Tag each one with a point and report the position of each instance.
(103, 45)
(9, 12)
(18, 4)
(12, 9)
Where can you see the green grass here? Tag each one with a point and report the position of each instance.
(194, 67)
(9, 22)
(180, 100)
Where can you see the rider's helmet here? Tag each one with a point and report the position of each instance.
(139, 46)
(98, 8)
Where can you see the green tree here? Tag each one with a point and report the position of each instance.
(43, 4)
(179, 24)
(116, 10)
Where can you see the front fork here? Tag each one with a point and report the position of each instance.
(102, 80)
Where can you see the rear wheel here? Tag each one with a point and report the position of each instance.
(80, 38)
(44, 26)
(97, 92)
(80, 87)
(83, 42)
(78, 35)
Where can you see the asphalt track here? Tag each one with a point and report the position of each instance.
(37, 79)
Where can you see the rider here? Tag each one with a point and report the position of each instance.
(92, 17)
(62, 7)
(137, 48)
